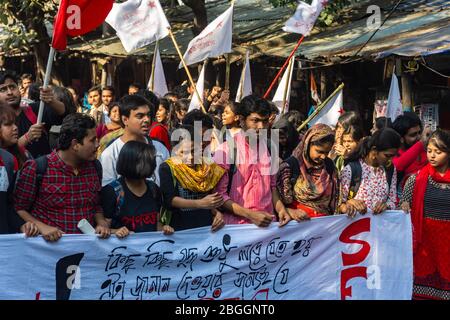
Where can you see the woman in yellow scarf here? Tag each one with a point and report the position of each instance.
(187, 182)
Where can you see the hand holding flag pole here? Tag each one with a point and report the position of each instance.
(48, 71)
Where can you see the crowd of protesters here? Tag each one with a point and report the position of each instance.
(133, 165)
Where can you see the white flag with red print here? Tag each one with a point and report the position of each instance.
(200, 86)
(394, 104)
(138, 23)
(213, 41)
(304, 17)
(157, 83)
(245, 84)
(283, 92)
(331, 112)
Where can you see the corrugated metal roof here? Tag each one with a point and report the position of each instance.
(417, 27)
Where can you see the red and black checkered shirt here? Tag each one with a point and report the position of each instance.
(63, 198)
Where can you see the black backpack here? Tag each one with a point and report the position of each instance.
(355, 182)
(42, 165)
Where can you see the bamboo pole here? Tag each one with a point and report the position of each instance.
(320, 107)
(48, 72)
(227, 72)
(187, 70)
(287, 86)
(152, 79)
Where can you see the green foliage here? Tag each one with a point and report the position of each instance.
(328, 16)
(22, 22)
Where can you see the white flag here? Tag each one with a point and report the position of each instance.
(331, 112)
(138, 23)
(159, 85)
(281, 90)
(394, 104)
(195, 104)
(304, 17)
(213, 41)
(245, 84)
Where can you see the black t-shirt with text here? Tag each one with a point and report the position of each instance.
(138, 214)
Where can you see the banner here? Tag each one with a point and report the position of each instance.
(305, 17)
(394, 102)
(213, 41)
(331, 112)
(368, 257)
(283, 93)
(138, 23)
(200, 87)
(157, 82)
(245, 83)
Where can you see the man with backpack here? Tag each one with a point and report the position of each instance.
(249, 186)
(135, 114)
(32, 136)
(57, 191)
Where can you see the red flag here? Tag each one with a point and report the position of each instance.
(77, 17)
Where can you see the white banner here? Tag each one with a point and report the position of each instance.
(245, 83)
(394, 103)
(159, 85)
(330, 113)
(199, 87)
(283, 93)
(213, 41)
(305, 17)
(369, 257)
(138, 23)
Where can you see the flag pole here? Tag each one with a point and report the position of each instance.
(152, 79)
(186, 69)
(288, 78)
(241, 84)
(227, 72)
(320, 107)
(284, 66)
(48, 72)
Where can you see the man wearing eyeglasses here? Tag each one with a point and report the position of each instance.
(32, 136)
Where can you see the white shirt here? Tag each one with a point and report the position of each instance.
(110, 156)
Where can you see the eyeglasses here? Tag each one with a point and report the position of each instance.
(5, 88)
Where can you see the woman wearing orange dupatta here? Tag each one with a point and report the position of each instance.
(428, 196)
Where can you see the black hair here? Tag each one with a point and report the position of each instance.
(274, 109)
(26, 76)
(295, 117)
(169, 95)
(405, 122)
(34, 92)
(131, 102)
(137, 160)
(349, 118)
(152, 98)
(186, 132)
(177, 106)
(383, 122)
(356, 132)
(329, 139)
(64, 95)
(441, 139)
(253, 104)
(197, 115)
(381, 140)
(96, 88)
(74, 126)
(7, 74)
(165, 103)
(181, 91)
(135, 85)
(113, 104)
(109, 88)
